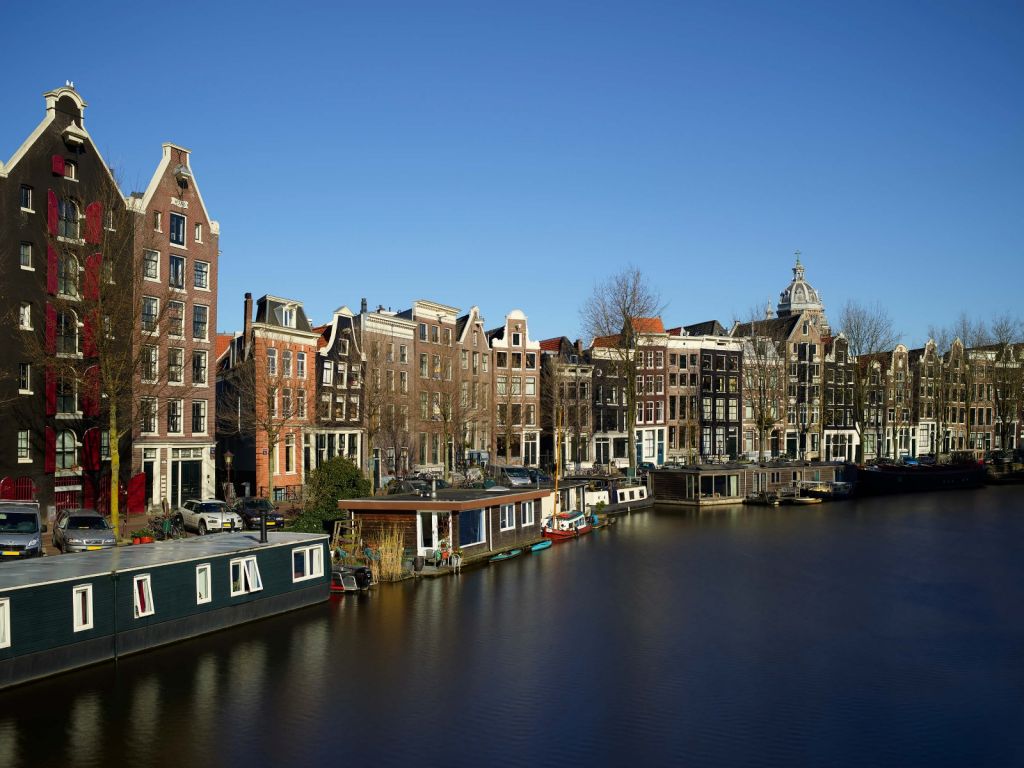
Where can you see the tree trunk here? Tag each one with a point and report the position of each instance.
(115, 470)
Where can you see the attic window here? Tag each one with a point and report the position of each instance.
(286, 316)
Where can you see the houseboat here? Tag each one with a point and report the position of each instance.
(707, 485)
(61, 613)
(613, 495)
(898, 478)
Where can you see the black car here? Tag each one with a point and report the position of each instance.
(250, 508)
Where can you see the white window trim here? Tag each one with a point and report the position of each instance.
(206, 336)
(208, 273)
(86, 591)
(200, 600)
(249, 575)
(184, 230)
(147, 587)
(527, 506)
(5, 622)
(511, 509)
(312, 562)
(184, 271)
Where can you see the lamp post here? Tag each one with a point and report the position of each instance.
(229, 458)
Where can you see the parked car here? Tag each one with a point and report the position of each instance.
(20, 530)
(82, 530)
(537, 476)
(251, 507)
(207, 515)
(644, 467)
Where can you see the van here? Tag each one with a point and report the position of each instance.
(21, 530)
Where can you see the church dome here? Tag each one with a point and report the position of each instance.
(799, 295)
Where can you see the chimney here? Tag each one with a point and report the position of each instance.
(247, 323)
(362, 306)
(579, 347)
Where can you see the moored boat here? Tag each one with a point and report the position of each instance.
(506, 555)
(897, 478)
(566, 525)
(541, 545)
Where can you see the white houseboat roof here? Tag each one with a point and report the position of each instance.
(47, 570)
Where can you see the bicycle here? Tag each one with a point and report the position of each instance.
(166, 527)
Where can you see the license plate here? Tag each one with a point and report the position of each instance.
(225, 525)
(92, 548)
(10, 554)
(270, 522)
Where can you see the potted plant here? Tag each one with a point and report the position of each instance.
(145, 536)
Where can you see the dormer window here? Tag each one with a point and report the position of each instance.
(70, 171)
(285, 316)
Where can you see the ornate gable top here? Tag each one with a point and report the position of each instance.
(799, 296)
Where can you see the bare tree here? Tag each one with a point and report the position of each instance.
(869, 331)
(764, 375)
(610, 313)
(378, 389)
(1007, 374)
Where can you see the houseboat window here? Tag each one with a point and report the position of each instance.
(528, 512)
(307, 563)
(81, 605)
(471, 527)
(5, 623)
(143, 596)
(204, 591)
(507, 517)
(245, 576)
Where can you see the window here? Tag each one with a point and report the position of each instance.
(23, 446)
(507, 517)
(286, 362)
(199, 367)
(176, 318)
(147, 414)
(176, 365)
(105, 445)
(150, 308)
(271, 362)
(300, 403)
(67, 275)
(245, 576)
(151, 264)
(527, 512)
(67, 218)
(423, 365)
(142, 593)
(517, 339)
(81, 607)
(307, 563)
(174, 416)
(204, 584)
(200, 316)
(327, 375)
(403, 353)
(286, 401)
(201, 274)
(25, 316)
(177, 229)
(198, 236)
(300, 365)
(26, 197)
(25, 255)
(403, 381)
(67, 333)
(70, 170)
(176, 278)
(434, 330)
(149, 363)
(157, 219)
(5, 622)
(25, 378)
(531, 385)
(199, 417)
(67, 450)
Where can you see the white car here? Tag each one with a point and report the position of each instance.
(207, 515)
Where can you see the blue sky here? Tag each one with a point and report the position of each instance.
(510, 155)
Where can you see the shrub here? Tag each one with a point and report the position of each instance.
(335, 479)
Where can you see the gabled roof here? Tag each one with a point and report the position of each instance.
(607, 341)
(221, 343)
(777, 328)
(706, 328)
(266, 313)
(553, 345)
(647, 324)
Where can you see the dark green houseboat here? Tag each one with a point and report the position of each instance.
(59, 613)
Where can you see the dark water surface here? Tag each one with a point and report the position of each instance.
(882, 632)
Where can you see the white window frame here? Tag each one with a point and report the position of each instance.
(507, 517)
(5, 622)
(146, 253)
(171, 261)
(271, 361)
(25, 316)
(146, 582)
(26, 188)
(24, 439)
(528, 513)
(249, 580)
(81, 592)
(23, 249)
(196, 272)
(198, 229)
(208, 571)
(184, 230)
(300, 365)
(206, 323)
(312, 563)
(25, 377)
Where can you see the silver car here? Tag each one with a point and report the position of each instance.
(82, 530)
(20, 530)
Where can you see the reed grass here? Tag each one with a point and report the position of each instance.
(389, 545)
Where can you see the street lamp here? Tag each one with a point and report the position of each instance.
(229, 458)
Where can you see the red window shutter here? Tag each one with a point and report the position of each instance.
(91, 284)
(51, 270)
(51, 211)
(91, 449)
(51, 329)
(51, 393)
(88, 336)
(57, 163)
(94, 222)
(50, 455)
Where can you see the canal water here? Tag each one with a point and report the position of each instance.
(883, 632)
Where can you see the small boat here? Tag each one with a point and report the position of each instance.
(763, 499)
(350, 578)
(566, 525)
(804, 500)
(506, 555)
(540, 545)
(597, 523)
